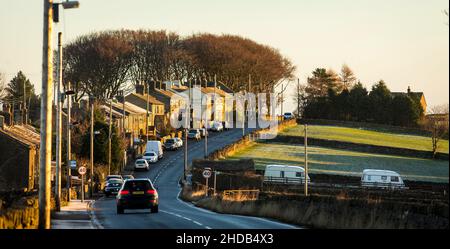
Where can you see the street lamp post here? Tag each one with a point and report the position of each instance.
(58, 129)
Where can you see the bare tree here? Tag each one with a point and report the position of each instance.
(347, 77)
(436, 122)
(2, 85)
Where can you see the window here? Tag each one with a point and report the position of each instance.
(282, 174)
(395, 179)
(137, 185)
(384, 178)
(369, 178)
(298, 174)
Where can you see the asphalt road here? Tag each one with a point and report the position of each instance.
(173, 212)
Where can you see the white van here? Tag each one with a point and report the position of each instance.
(154, 146)
(381, 179)
(285, 174)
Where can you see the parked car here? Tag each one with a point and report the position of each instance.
(156, 147)
(288, 115)
(142, 164)
(137, 194)
(170, 144)
(113, 186)
(150, 157)
(285, 174)
(217, 126)
(381, 179)
(179, 142)
(109, 177)
(126, 177)
(203, 132)
(194, 134)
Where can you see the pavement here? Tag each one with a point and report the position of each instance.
(76, 215)
(174, 213)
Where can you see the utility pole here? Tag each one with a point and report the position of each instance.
(123, 128)
(45, 153)
(146, 117)
(282, 99)
(109, 137)
(91, 177)
(205, 124)
(186, 129)
(306, 160)
(69, 149)
(215, 180)
(58, 128)
(24, 111)
(298, 97)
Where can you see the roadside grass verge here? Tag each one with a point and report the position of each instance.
(366, 136)
(344, 162)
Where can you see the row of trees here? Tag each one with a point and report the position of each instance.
(102, 63)
(12, 94)
(328, 95)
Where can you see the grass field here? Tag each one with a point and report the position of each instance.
(343, 162)
(364, 136)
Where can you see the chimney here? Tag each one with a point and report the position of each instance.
(140, 89)
(409, 89)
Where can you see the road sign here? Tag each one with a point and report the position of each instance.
(73, 164)
(82, 170)
(207, 173)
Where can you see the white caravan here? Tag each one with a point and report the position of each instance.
(285, 174)
(381, 179)
(154, 146)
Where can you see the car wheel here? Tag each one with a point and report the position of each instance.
(120, 210)
(154, 209)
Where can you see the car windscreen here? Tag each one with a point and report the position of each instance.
(115, 182)
(140, 161)
(150, 154)
(137, 185)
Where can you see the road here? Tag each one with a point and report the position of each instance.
(173, 212)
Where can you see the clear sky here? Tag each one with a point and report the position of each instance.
(404, 42)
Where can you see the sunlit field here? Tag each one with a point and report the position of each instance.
(365, 136)
(344, 162)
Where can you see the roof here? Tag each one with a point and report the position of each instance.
(286, 167)
(24, 134)
(140, 100)
(117, 108)
(222, 86)
(380, 171)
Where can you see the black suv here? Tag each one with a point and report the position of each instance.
(137, 194)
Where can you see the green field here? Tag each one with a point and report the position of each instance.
(344, 162)
(364, 136)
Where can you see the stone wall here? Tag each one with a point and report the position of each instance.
(366, 148)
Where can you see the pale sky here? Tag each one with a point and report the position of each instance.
(404, 42)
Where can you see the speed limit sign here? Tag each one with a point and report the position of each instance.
(206, 173)
(82, 170)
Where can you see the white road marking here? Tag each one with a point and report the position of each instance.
(186, 218)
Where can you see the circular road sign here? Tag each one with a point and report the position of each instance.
(206, 173)
(82, 170)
